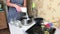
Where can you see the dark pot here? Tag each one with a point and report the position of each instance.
(38, 20)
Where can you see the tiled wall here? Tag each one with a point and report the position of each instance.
(51, 9)
(48, 9)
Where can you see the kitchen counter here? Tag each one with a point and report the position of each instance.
(17, 30)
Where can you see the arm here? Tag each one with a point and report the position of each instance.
(8, 3)
(24, 3)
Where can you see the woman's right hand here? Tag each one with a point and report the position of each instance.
(18, 8)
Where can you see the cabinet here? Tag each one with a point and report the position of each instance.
(3, 22)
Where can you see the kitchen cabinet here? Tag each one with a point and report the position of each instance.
(3, 22)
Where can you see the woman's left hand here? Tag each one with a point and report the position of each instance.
(18, 8)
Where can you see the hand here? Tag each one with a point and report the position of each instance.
(18, 8)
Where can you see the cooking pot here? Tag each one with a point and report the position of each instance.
(26, 22)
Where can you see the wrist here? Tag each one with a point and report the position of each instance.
(15, 5)
(24, 5)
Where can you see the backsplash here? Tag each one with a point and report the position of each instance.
(51, 9)
(48, 9)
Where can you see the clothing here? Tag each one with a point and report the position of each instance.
(12, 12)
